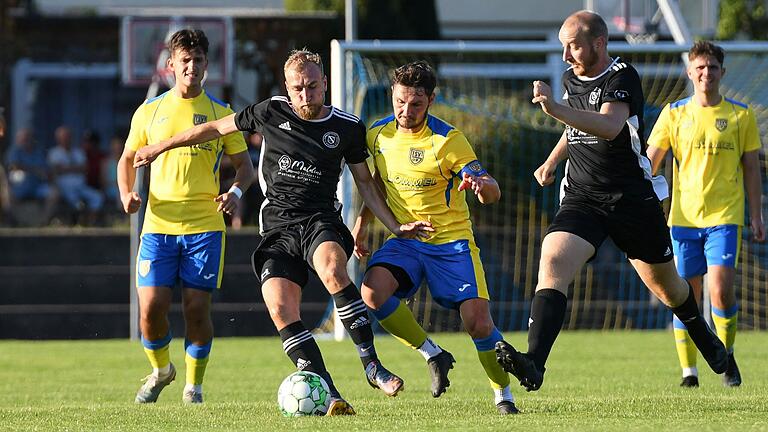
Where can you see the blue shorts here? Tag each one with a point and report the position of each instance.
(697, 248)
(194, 259)
(453, 270)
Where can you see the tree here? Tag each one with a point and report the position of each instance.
(743, 19)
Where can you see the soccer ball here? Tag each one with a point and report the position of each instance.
(302, 394)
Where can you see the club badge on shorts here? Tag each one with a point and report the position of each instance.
(144, 266)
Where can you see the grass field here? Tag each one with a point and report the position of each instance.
(595, 381)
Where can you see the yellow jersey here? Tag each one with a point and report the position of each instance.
(184, 181)
(707, 145)
(421, 173)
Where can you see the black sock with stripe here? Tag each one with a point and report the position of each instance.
(354, 316)
(303, 351)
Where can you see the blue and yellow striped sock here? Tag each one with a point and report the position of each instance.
(196, 359)
(398, 320)
(686, 349)
(158, 354)
(487, 355)
(725, 321)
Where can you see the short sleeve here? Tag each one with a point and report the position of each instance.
(253, 117)
(622, 86)
(137, 137)
(751, 133)
(234, 143)
(660, 135)
(460, 155)
(356, 152)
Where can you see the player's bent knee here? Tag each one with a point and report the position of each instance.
(334, 278)
(479, 327)
(373, 299)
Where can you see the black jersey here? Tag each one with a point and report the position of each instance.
(605, 170)
(301, 160)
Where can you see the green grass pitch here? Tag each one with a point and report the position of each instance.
(612, 381)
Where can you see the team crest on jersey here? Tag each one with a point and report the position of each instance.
(199, 119)
(331, 140)
(594, 96)
(416, 156)
(721, 124)
(284, 162)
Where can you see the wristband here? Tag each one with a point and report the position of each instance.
(237, 191)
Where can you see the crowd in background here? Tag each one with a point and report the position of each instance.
(73, 181)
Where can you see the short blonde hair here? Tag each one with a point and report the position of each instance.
(298, 59)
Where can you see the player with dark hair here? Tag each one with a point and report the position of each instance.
(716, 146)
(305, 143)
(182, 241)
(424, 165)
(608, 192)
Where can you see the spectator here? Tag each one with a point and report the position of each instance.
(109, 175)
(29, 174)
(91, 145)
(68, 165)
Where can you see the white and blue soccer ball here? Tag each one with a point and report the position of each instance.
(303, 393)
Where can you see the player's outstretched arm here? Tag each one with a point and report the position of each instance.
(126, 177)
(374, 199)
(753, 185)
(606, 124)
(229, 201)
(196, 135)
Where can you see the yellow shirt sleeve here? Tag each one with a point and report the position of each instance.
(137, 137)
(751, 137)
(661, 133)
(458, 151)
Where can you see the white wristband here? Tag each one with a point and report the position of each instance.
(237, 191)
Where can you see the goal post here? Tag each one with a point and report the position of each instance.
(484, 89)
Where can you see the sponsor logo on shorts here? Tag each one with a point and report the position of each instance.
(464, 287)
(209, 275)
(144, 266)
(264, 274)
(727, 256)
(668, 252)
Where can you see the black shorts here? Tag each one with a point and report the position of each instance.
(287, 251)
(637, 226)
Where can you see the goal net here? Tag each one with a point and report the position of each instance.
(484, 89)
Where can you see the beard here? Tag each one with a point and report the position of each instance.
(589, 62)
(309, 112)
